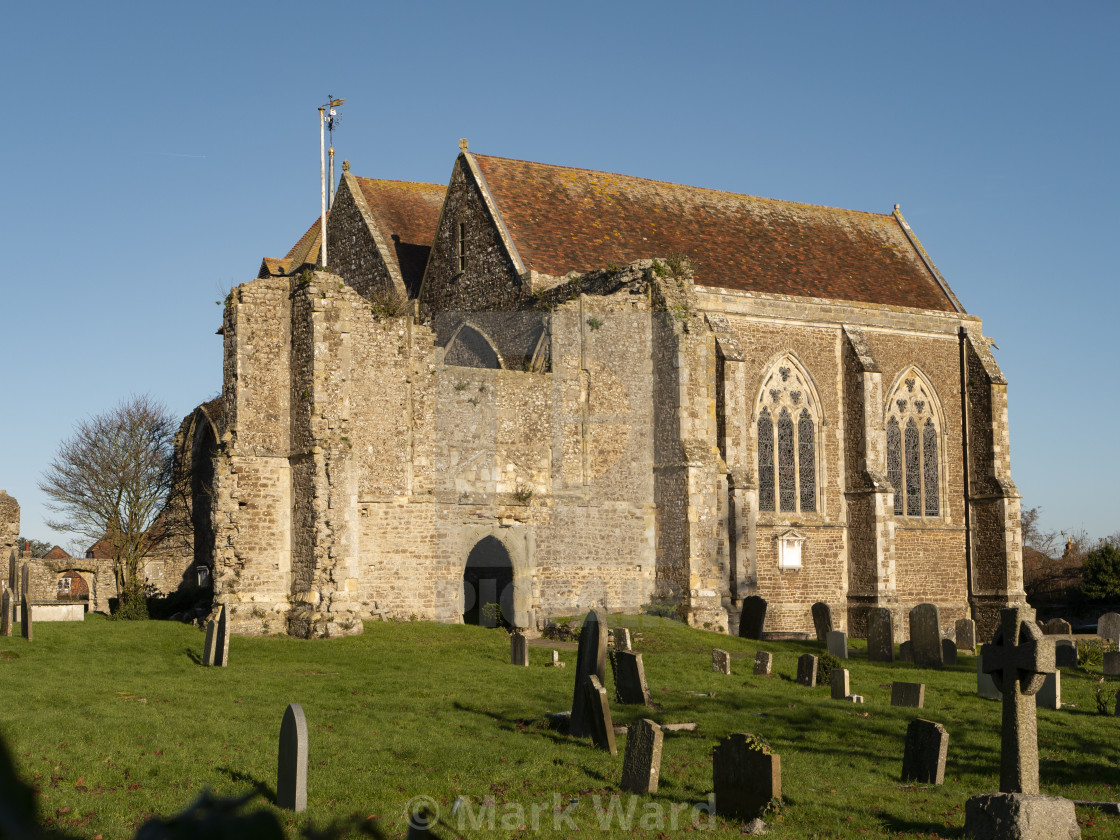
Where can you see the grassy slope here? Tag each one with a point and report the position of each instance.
(114, 721)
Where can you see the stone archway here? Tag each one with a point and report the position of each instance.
(496, 568)
(203, 450)
(71, 586)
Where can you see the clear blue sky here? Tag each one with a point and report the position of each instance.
(153, 153)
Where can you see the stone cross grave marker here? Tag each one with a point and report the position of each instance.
(518, 649)
(1050, 695)
(948, 652)
(746, 776)
(1108, 626)
(291, 770)
(6, 619)
(985, 685)
(721, 661)
(908, 694)
(26, 627)
(822, 620)
(591, 660)
(221, 637)
(1065, 654)
(763, 662)
(208, 654)
(621, 636)
(839, 678)
(1018, 660)
(880, 635)
(752, 620)
(925, 634)
(838, 643)
(602, 727)
(630, 678)
(641, 765)
(923, 758)
(807, 670)
(965, 631)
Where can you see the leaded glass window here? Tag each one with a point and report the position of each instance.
(787, 441)
(913, 441)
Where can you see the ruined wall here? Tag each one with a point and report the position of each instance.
(9, 533)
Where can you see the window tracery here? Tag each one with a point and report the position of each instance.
(786, 431)
(913, 447)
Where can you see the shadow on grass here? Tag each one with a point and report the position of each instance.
(192, 656)
(260, 787)
(921, 829)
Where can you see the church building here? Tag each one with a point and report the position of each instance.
(539, 389)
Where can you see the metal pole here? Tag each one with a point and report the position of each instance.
(330, 198)
(322, 189)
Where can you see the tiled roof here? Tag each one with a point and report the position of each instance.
(562, 219)
(407, 215)
(56, 553)
(307, 249)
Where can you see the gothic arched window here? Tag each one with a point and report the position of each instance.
(786, 430)
(913, 446)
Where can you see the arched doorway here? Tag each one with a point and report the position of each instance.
(488, 581)
(202, 492)
(72, 586)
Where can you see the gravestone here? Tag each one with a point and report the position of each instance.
(906, 652)
(1112, 664)
(880, 635)
(925, 634)
(985, 685)
(996, 816)
(621, 636)
(752, 620)
(630, 678)
(556, 663)
(948, 652)
(807, 670)
(839, 678)
(641, 765)
(908, 694)
(518, 649)
(291, 771)
(721, 661)
(1065, 654)
(923, 758)
(763, 661)
(822, 620)
(1050, 695)
(208, 654)
(1057, 627)
(24, 579)
(221, 638)
(591, 660)
(838, 643)
(599, 711)
(966, 634)
(487, 595)
(6, 619)
(12, 573)
(26, 628)
(746, 776)
(1108, 626)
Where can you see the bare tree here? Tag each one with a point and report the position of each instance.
(109, 483)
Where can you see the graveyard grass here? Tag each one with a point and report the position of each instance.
(115, 721)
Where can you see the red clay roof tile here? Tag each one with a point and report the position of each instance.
(407, 215)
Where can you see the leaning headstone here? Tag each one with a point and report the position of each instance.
(923, 758)
(880, 635)
(763, 661)
(966, 634)
(6, 619)
(838, 643)
(807, 670)
(630, 678)
(985, 685)
(925, 633)
(906, 652)
(26, 628)
(518, 649)
(1112, 664)
(221, 638)
(1050, 695)
(822, 620)
(747, 776)
(641, 766)
(602, 727)
(908, 694)
(721, 661)
(948, 652)
(752, 620)
(208, 653)
(291, 772)
(621, 636)
(1057, 627)
(591, 660)
(1108, 626)
(1065, 654)
(839, 678)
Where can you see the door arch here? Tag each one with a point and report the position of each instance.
(488, 579)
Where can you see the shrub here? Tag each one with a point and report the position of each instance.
(1102, 573)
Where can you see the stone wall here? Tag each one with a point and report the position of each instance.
(352, 247)
(9, 532)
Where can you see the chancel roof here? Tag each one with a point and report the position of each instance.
(406, 214)
(562, 219)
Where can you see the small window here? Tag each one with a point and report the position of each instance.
(462, 246)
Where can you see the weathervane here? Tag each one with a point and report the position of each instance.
(328, 118)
